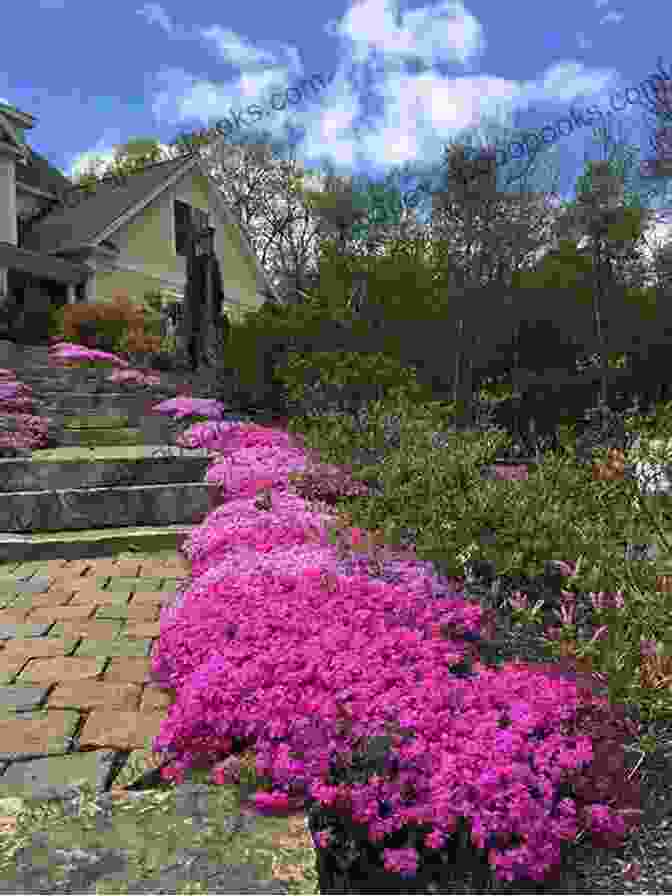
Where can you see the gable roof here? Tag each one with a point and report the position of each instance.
(85, 220)
(41, 175)
(12, 126)
(82, 217)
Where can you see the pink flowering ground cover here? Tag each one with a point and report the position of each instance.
(272, 645)
(64, 352)
(28, 431)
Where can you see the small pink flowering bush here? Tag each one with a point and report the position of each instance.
(204, 435)
(276, 645)
(68, 351)
(238, 524)
(326, 484)
(185, 406)
(236, 476)
(240, 449)
(15, 397)
(512, 473)
(134, 378)
(22, 431)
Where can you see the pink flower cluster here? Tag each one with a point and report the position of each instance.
(186, 406)
(511, 473)
(134, 377)
(16, 400)
(15, 397)
(30, 431)
(273, 645)
(69, 351)
(203, 435)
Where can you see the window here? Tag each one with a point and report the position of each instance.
(21, 228)
(188, 220)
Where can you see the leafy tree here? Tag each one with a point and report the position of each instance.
(129, 157)
(383, 207)
(483, 236)
(658, 105)
(600, 216)
(624, 163)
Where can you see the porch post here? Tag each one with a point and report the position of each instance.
(90, 289)
(3, 281)
(72, 297)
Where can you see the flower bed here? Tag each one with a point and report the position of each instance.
(355, 671)
(273, 617)
(21, 431)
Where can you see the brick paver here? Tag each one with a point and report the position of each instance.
(143, 611)
(144, 597)
(48, 614)
(55, 566)
(121, 730)
(127, 569)
(61, 668)
(37, 647)
(129, 669)
(53, 598)
(97, 630)
(95, 695)
(77, 657)
(154, 699)
(44, 735)
(142, 630)
(12, 616)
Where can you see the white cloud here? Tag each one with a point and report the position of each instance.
(442, 32)
(420, 112)
(614, 17)
(155, 13)
(600, 3)
(238, 52)
(564, 81)
(583, 41)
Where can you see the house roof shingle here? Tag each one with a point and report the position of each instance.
(41, 175)
(82, 216)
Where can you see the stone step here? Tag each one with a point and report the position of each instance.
(57, 388)
(45, 471)
(102, 436)
(13, 355)
(38, 368)
(150, 429)
(56, 510)
(90, 543)
(93, 421)
(61, 376)
(108, 404)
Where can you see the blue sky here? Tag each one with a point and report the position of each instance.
(400, 80)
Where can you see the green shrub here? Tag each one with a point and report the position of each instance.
(348, 379)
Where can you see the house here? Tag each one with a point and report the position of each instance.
(126, 236)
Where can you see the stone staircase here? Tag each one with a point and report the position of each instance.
(117, 481)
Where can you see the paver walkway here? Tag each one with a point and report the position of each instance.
(75, 696)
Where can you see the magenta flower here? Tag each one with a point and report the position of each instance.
(185, 406)
(269, 620)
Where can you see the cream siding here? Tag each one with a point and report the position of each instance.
(147, 259)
